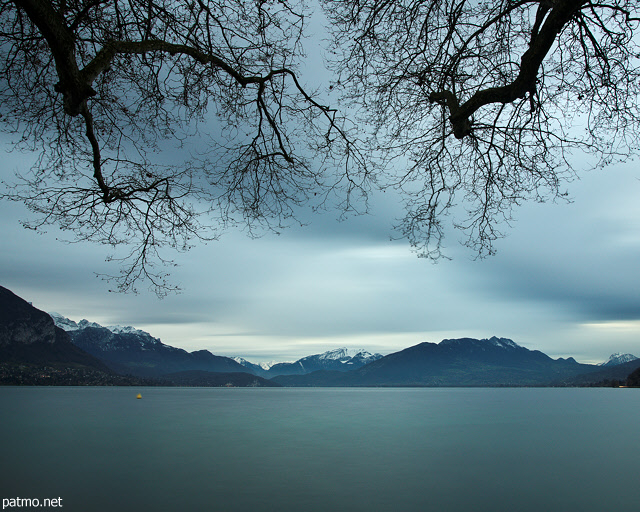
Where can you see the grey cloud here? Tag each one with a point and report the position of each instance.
(560, 267)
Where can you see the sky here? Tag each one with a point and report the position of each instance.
(564, 281)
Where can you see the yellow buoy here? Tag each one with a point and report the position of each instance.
(139, 395)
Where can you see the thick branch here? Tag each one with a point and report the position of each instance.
(61, 41)
(103, 59)
(76, 85)
(95, 148)
(530, 63)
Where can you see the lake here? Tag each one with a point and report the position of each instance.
(243, 449)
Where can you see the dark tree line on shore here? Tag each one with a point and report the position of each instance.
(632, 381)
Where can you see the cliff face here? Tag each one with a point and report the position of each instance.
(21, 323)
(28, 335)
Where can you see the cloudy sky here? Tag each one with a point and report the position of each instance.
(565, 281)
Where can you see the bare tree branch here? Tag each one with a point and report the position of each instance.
(105, 90)
(481, 105)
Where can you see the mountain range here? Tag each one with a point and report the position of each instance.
(339, 359)
(27, 333)
(30, 338)
(33, 350)
(454, 362)
(132, 351)
(127, 350)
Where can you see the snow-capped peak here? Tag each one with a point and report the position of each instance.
(344, 353)
(67, 324)
(618, 358)
(503, 342)
(264, 365)
(119, 329)
(267, 365)
(63, 322)
(85, 323)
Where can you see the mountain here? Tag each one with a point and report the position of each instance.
(453, 362)
(470, 362)
(261, 369)
(618, 358)
(28, 335)
(69, 325)
(33, 350)
(605, 373)
(339, 359)
(132, 351)
(128, 350)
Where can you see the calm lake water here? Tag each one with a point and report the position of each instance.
(204, 449)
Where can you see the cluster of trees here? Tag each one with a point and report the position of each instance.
(474, 101)
(632, 381)
(61, 374)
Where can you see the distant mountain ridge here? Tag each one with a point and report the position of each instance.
(618, 358)
(122, 349)
(259, 366)
(601, 373)
(69, 325)
(131, 351)
(339, 359)
(34, 350)
(256, 368)
(452, 362)
(29, 335)
(134, 351)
